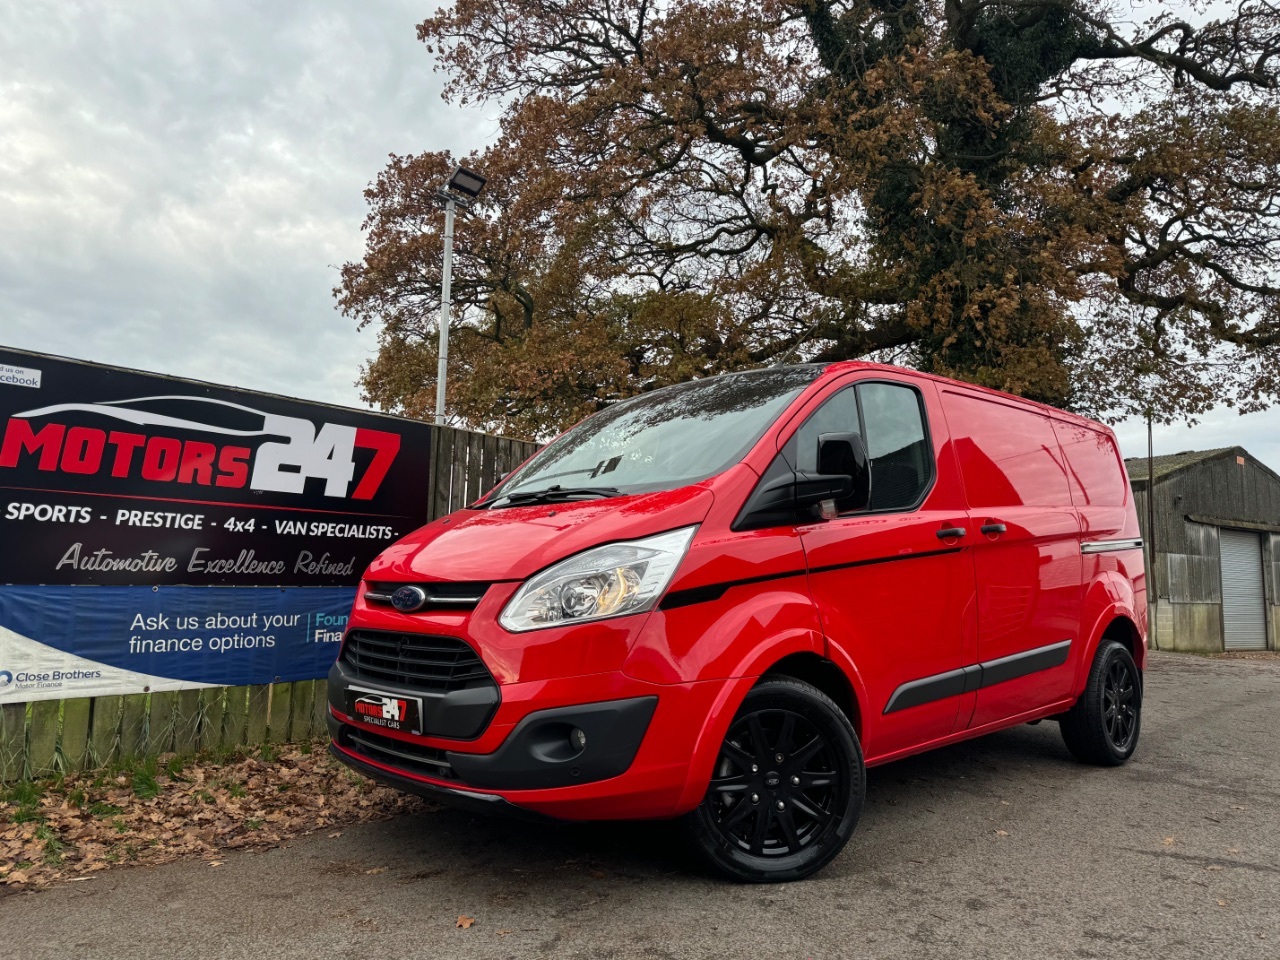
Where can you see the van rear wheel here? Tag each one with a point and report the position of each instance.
(787, 788)
(1103, 727)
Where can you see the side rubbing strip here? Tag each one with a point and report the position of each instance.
(950, 684)
(1021, 664)
(979, 675)
(1109, 546)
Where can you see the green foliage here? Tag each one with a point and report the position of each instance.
(146, 784)
(54, 847)
(25, 796)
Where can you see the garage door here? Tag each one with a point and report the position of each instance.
(1244, 614)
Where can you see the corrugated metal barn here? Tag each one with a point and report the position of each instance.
(1216, 574)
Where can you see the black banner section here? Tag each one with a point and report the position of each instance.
(114, 476)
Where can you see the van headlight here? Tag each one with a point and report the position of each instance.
(609, 581)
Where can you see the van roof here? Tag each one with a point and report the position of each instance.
(839, 367)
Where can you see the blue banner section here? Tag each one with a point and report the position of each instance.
(199, 635)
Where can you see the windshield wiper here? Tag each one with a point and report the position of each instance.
(552, 494)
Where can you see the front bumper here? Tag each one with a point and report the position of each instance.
(641, 740)
(548, 748)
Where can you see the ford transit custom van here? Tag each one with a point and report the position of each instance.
(725, 599)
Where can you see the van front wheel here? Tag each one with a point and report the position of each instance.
(787, 788)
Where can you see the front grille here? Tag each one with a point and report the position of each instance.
(427, 761)
(441, 597)
(415, 661)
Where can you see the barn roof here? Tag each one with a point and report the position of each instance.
(1167, 465)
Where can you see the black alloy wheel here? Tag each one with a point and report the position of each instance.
(787, 788)
(1103, 727)
(1119, 710)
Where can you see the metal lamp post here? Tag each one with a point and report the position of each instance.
(463, 187)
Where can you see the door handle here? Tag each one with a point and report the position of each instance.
(993, 528)
(948, 533)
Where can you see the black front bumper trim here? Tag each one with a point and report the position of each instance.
(542, 751)
(461, 799)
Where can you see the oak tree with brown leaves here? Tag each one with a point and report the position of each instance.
(1044, 196)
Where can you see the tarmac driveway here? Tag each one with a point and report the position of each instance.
(1001, 847)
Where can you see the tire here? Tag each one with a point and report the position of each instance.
(1103, 726)
(820, 782)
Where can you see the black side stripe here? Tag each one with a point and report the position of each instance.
(714, 591)
(979, 675)
(893, 559)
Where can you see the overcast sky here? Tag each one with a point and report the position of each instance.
(180, 180)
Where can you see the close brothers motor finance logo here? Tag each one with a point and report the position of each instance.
(6, 678)
(147, 449)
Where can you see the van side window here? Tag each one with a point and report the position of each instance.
(897, 445)
(837, 415)
(891, 423)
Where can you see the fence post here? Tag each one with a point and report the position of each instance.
(13, 741)
(42, 744)
(133, 726)
(186, 722)
(237, 717)
(259, 700)
(214, 707)
(104, 729)
(278, 722)
(75, 734)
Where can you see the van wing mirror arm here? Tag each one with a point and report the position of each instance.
(779, 501)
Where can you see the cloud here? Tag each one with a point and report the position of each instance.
(1259, 433)
(178, 182)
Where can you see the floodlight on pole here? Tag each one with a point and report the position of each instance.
(462, 187)
(467, 181)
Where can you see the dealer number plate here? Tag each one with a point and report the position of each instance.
(384, 710)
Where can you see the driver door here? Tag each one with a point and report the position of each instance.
(896, 597)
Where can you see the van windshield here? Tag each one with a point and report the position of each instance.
(661, 440)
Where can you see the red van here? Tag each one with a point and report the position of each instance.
(723, 600)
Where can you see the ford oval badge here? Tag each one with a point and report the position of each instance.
(408, 599)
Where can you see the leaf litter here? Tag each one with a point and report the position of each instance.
(75, 826)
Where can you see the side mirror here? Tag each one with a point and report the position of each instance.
(844, 454)
(782, 496)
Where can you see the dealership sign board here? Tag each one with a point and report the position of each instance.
(129, 502)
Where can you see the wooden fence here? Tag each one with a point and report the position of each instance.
(64, 736)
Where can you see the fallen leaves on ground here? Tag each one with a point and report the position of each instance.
(465, 922)
(78, 825)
